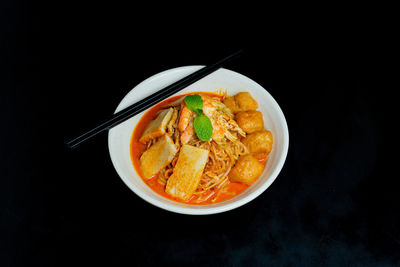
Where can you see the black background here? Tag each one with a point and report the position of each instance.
(334, 203)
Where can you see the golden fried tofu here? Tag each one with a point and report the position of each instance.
(245, 101)
(156, 128)
(259, 142)
(242, 101)
(187, 172)
(157, 156)
(250, 121)
(231, 104)
(246, 170)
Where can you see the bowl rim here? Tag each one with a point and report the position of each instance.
(210, 210)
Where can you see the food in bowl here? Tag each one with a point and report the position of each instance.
(201, 148)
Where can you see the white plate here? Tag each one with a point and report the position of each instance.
(120, 136)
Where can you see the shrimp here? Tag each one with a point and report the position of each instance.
(208, 106)
(188, 132)
(210, 110)
(185, 124)
(187, 116)
(184, 118)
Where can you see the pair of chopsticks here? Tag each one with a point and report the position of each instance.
(149, 101)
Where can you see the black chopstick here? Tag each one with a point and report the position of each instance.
(149, 101)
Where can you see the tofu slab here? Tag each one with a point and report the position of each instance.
(187, 172)
(156, 128)
(157, 156)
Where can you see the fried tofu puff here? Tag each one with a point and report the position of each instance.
(241, 102)
(250, 121)
(246, 170)
(245, 101)
(259, 142)
(231, 104)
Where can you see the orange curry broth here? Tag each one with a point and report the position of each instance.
(137, 148)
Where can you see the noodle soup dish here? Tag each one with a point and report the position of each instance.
(202, 147)
(213, 147)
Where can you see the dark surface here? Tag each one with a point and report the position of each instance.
(335, 203)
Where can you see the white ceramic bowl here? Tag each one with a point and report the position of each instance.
(120, 136)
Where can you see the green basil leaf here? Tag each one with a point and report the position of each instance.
(203, 127)
(194, 103)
